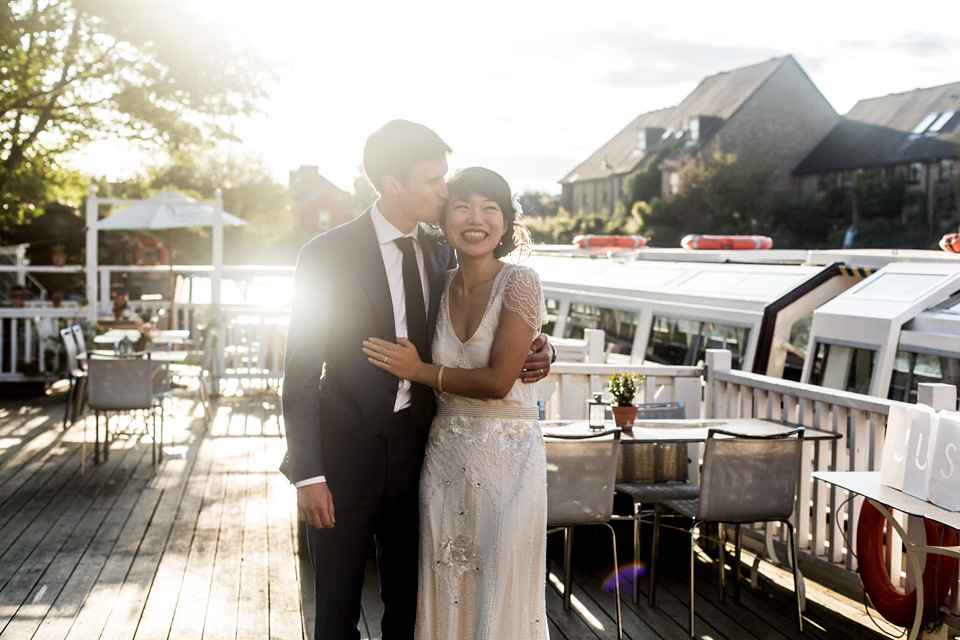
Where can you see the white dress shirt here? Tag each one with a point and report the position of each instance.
(393, 264)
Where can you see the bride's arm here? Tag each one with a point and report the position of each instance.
(511, 343)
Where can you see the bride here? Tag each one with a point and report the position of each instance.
(483, 495)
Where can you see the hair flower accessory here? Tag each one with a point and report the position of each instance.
(517, 207)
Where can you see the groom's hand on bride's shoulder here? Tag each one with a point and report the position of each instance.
(315, 505)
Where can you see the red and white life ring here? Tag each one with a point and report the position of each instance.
(591, 241)
(893, 604)
(950, 242)
(737, 243)
(155, 252)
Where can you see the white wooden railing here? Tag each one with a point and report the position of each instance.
(826, 516)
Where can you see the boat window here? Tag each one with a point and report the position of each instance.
(619, 327)
(678, 341)
(553, 308)
(898, 286)
(911, 368)
(843, 368)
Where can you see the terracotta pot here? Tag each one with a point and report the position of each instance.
(624, 416)
(58, 259)
(18, 298)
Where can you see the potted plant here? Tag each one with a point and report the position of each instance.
(623, 389)
(18, 295)
(58, 255)
(56, 298)
(119, 306)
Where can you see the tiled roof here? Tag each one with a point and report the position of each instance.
(718, 95)
(881, 131)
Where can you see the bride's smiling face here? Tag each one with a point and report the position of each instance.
(474, 225)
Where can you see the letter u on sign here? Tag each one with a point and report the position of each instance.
(923, 432)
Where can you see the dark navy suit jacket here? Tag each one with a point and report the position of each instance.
(334, 401)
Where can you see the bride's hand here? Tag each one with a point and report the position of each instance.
(401, 359)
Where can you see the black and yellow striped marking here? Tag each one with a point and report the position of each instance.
(859, 272)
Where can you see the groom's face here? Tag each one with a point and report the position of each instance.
(424, 193)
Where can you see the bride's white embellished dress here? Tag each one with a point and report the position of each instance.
(483, 490)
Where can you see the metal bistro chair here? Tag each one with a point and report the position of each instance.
(77, 374)
(651, 472)
(580, 477)
(745, 479)
(124, 384)
(200, 371)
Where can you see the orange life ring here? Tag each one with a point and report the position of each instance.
(156, 248)
(893, 604)
(738, 243)
(950, 242)
(591, 241)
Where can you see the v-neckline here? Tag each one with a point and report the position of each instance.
(486, 310)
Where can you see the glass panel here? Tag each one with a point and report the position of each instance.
(684, 342)
(719, 336)
(940, 121)
(712, 281)
(910, 369)
(843, 368)
(766, 284)
(670, 340)
(899, 286)
(920, 128)
(553, 308)
(619, 326)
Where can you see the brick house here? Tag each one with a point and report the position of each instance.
(915, 134)
(769, 112)
(319, 205)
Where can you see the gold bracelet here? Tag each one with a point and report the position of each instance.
(440, 379)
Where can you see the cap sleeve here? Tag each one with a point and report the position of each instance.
(523, 295)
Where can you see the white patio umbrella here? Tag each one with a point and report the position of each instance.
(168, 210)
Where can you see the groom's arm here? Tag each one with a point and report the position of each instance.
(307, 341)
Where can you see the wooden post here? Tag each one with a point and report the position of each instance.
(717, 360)
(92, 257)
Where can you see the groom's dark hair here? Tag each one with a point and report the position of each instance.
(394, 148)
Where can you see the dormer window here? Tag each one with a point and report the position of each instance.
(649, 138)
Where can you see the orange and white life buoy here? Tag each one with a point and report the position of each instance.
(895, 605)
(591, 241)
(950, 242)
(737, 243)
(149, 252)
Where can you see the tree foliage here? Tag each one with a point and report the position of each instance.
(71, 71)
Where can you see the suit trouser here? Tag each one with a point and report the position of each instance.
(385, 509)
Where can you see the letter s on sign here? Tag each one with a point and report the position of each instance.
(950, 449)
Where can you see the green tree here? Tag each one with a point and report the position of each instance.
(152, 72)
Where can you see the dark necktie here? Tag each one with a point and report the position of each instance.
(413, 294)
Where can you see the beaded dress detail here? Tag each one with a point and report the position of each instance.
(483, 490)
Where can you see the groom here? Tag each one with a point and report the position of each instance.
(356, 434)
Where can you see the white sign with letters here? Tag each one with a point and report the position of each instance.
(944, 485)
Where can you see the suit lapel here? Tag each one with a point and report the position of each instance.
(368, 262)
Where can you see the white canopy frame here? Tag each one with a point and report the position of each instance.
(92, 264)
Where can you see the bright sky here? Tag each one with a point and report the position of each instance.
(531, 88)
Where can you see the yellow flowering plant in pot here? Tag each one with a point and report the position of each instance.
(623, 389)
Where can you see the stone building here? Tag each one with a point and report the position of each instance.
(769, 113)
(913, 135)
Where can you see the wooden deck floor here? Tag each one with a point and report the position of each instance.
(206, 548)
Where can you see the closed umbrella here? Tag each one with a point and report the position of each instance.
(167, 210)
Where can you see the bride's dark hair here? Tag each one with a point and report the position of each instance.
(491, 185)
